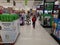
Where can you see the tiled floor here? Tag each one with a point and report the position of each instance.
(48, 30)
(37, 36)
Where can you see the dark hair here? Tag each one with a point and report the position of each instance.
(28, 12)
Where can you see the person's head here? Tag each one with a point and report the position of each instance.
(28, 12)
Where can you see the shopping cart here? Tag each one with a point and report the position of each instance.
(28, 21)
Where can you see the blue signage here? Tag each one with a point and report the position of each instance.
(58, 24)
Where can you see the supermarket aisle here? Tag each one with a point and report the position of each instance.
(38, 36)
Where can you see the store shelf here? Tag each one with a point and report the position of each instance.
(46, 26)
(55, 38)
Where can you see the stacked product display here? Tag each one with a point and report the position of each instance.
(56, 23)
(47, 15)
(9, 28)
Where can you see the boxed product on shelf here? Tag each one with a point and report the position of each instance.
(54, 26)
(55, 16)
(57, 28)
(57, 34)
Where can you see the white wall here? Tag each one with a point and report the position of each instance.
(19, 4)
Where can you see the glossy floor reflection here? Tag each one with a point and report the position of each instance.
(37, 36)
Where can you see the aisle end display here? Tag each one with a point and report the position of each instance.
(46, 20)
(9, 28)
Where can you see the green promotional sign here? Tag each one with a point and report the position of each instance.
(48, 6)
(26, 1)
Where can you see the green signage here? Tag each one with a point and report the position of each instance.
(48, 6)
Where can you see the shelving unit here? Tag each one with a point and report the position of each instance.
(55, 18)
(48, 10)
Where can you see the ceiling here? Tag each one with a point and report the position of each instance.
(23, 0)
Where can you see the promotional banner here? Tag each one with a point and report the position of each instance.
(49, 6)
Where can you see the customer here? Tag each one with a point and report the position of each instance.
(22, 19)
(28, 18)
(33, 21)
